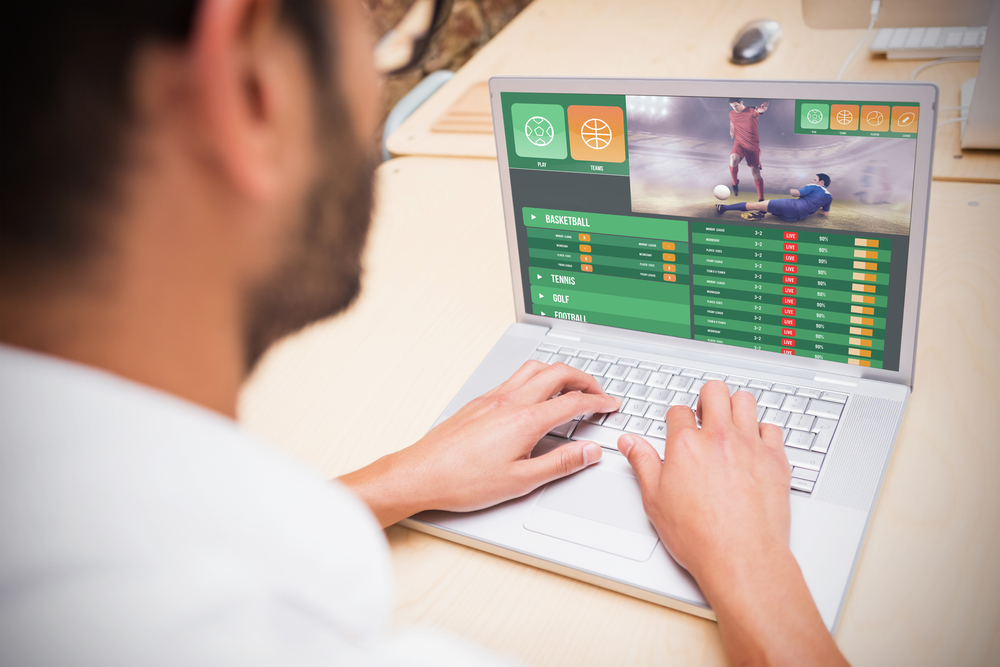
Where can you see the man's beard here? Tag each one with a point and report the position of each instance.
(321, 275)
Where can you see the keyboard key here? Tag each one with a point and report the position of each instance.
(608, 437)
(579, 363)
(714, 376)
(638, 425)
(658, 380)
(679, 383)
(625, 361)
(799, 439)
(617, 372)
(564, 430)
(776, 417)
(615, 420)
(656, 412)
(587, 354)
(736, 379)
(657, 430)
(650, 366)
(598, 368)
(833, 396)
(696, 386)
(795, 404)
(548, 347)
(802, 473)
(824, 409)
(635, 407)
(596, 418)
(802, 485)
(760, 384)
(610, 358)
(771, 399)
(637, 375)
(733, 388)
(661, 396)
(808, 392)
(801, 422)
(568, 351)
(543, 357)
(803, 459)
(604, 382)
(639, 391)
(783, 388)
(670, 370)
(618, 388)
(824, 429)
(753, 392)
(556, 358)
(760, 412)
(691, 373)
(680, 398)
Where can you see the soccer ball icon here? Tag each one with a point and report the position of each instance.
(596, 133)
(814, 116)
(539, 131)
(875, 118)
(844, 117)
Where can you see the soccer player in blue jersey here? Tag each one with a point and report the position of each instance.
(808, 200)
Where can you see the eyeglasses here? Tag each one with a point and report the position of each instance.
(406, 44)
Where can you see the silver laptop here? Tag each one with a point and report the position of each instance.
(623, 266)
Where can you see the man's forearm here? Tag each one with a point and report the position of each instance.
(388, 488)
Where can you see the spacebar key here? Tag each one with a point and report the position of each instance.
(608, 437)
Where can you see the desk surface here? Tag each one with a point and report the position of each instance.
(651, 38)
(437, 296)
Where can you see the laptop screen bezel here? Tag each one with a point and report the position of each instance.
(924, 94)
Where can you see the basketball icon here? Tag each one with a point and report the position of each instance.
(596, 133)
(845, 117)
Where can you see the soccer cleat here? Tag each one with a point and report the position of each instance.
(719, 209)
(736, 188)
(753, 215)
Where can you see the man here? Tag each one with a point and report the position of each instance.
(183, 183)
(810, 199)
(746, 143)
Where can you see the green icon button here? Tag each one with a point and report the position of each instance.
(815, 117)
(539, 130)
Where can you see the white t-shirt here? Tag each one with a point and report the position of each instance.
(140, 529)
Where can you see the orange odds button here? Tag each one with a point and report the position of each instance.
(672, 268)
(904, 119)
(587, 267)
(668, 257)
(586, 258)
(585, 238)
(669, 277)
(667, 245)
(874, 118)
(585, 248)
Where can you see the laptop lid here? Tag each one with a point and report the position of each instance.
(610, 189)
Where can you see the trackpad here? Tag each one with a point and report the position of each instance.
(596, 509)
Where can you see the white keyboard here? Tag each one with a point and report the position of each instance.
(807, 416)
(904, 43)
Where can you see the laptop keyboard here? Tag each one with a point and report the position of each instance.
(808, 417)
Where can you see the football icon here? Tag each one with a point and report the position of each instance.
(722, 192)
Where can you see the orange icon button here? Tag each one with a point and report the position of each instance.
(844, 117)
(904, 119)
(596, 134)
(874, 118)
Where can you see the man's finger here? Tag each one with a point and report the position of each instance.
(572, 405)
(561, 461)
(679, 418)
(555, 379)
(528, 370)
(744, 411)
(644, 460)
(714, 405)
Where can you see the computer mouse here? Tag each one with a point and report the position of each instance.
(755, 41)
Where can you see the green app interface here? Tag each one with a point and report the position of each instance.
(539, 130)
(629, 213)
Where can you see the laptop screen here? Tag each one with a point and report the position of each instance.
(779, 225)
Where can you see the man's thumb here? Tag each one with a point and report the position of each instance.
(563, 460)
(643, 458)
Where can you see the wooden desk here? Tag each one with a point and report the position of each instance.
(651, 38)
(437, 296)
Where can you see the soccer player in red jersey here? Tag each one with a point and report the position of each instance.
(743, 130)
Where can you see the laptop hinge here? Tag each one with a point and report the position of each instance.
(842, 381)
(558, 334)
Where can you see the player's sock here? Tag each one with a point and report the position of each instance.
(759, 182)
(734, 171)
(742, 206)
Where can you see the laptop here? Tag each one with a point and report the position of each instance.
(624, 267)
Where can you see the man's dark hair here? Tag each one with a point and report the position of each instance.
(735, 99)
(825, 179)
(65, 73)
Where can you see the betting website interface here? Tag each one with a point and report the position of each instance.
(617, 205)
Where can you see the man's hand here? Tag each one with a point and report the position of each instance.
(763, 107)
(480, 456)
(719, 501)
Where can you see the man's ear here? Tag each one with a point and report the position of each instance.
(254, 95)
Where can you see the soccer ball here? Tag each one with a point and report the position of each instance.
(722, 192)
